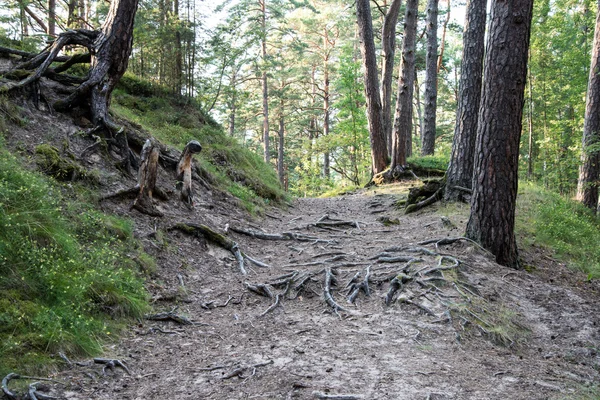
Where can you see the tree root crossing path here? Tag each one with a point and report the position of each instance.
(345, 298)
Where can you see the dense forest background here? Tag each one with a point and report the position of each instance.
(292, 69)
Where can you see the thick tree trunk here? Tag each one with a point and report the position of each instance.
(388, 50)
(428, 139)
(404, 107)
(589, 172)
(379, 155)
(492, 218)
(460, 170)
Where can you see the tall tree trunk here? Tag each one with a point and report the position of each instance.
(589, 172)
(265, 87)
(443, 41)
(379, 155)
(460, 170)
(492, 218)
(326, 169)
(178, 51)
(428, 141)
(280, 148)
(388, 50)
(530, 125)
(404, 104)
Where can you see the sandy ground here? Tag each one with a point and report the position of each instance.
(475, 331)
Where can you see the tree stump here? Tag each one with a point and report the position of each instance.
(184, 172)
(147, 179)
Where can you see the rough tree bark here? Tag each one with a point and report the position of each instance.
(429, 120)
(147, 174)
(404, 105)
(460, 170)
(492, 218)
(110, 49)
(379, 157)
(388, 49)
(184, 172)
(589, 171)
(52, 18)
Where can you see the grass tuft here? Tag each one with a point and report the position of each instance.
(66, 273)
(571, 230)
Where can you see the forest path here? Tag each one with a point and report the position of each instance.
(473, 331)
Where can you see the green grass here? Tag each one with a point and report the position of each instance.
(67, 276)
(572, 231)
(429, 162)
(230, 166)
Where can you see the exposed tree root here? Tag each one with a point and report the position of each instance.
(240, 370)
(274, 236)
(325, 396)
(32, 390)
(111, 364)
(172, 316)
(219, 239)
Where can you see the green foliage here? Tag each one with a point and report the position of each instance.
(66, 275)
(548, 219)
(561, 42)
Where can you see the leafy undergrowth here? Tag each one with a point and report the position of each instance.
(175, 122)
(565, 226)
(68, 281)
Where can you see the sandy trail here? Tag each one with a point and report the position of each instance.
(304, 349)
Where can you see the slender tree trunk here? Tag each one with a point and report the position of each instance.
(443, 41)
(530, 125)
(265, 87)
(418, 106)
(460, 170)
(178, 51)
(326, 169)
(402, 133)
(280, 148)
(379, 155)
(388, 50)
(492, 218)
(428, 142)
(589, 172)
